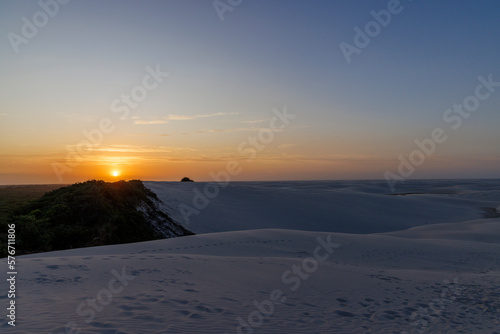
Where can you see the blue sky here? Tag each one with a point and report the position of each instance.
(353, 120)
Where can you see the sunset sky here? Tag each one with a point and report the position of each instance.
(227, 79)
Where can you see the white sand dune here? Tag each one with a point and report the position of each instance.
(437, 278)
(336, 206)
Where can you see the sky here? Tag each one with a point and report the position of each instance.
(253, 89)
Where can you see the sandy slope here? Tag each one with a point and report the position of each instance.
(382, 283)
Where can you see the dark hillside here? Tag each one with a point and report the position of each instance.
(90, 214)
(14, 197)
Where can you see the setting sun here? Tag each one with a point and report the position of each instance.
(115, 173)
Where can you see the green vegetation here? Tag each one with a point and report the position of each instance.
(90, 214)
(15, 197)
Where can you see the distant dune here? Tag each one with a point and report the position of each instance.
(332, 206)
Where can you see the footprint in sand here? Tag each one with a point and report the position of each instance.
(344, 313)
(183, 312)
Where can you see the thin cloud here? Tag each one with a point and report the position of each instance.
(179, 118)
(238, 130)
(257, 121)
(159, 121)
(221, 131)
(141, 149)
(188, 118)
(165, 120)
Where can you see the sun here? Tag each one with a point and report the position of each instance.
(115, 173)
